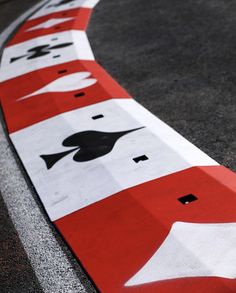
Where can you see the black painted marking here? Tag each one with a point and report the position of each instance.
(54, 39)
(79, 95)
(60, 46)
(17, 58)
(97, 117)
(63, 2)
(187, 198)
(141, 158)
(40, 51)
(62, 71)
(89, 145)
(56, 56)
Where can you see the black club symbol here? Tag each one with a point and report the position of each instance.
(40, 51)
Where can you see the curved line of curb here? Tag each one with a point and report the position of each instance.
(124, 153)
(48, 259)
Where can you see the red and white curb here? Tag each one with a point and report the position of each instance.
(142, 208)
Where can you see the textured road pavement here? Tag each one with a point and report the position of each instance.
(178, 59)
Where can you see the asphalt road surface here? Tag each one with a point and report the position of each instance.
(178, 59)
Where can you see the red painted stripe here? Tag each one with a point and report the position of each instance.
(80, 22)
(20, 114)
(115, 237)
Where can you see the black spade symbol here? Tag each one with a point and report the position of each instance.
(89, 145)
(40, 51)
(61, 3)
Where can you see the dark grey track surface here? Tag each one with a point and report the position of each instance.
(178, 59)
(16, 274)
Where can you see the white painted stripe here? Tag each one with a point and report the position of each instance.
(70, 185)
(54, 6)
(76, 47)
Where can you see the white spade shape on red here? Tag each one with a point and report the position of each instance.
(192, 250)
(71, 82)
(50, 23)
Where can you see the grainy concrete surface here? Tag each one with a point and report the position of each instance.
(16, 274)
(12, 9)
(177, 58)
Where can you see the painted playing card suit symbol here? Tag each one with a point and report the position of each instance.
(71, 82)
(40, 51)
(192, 250)
(63, 2)
(89, 145)
(50, 23)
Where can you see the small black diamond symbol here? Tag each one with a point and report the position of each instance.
(187, 198)
(141, 158)
(97, 117)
